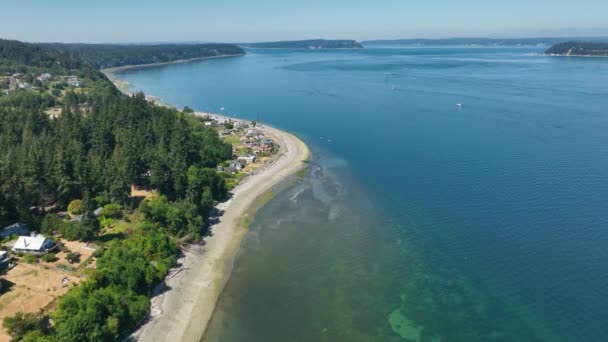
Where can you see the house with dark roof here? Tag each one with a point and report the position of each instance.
(14, 229)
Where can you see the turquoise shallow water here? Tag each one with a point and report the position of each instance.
(418, 221)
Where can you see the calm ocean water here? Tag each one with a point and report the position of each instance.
(418, 220)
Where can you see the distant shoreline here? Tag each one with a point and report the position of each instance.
(116, 70)
(580, 56)
(301, 48)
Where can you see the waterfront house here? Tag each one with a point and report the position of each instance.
(37, 244)
(267, 145)
(14, 229)
(225, 132)
(248, 159)
(233, 167)
(252, 133)
(238, 165)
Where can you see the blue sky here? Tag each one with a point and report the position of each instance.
(260, 20)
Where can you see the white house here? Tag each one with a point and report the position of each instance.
(248, 159)
(37, 244)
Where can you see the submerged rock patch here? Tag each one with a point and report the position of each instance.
(404, 327)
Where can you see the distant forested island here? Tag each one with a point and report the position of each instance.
(579, 49)
(546, 41)
(308, 44)
(102, 56)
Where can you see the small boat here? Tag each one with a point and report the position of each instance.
(459, 105)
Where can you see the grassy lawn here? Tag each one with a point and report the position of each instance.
(243, 150)
(233, 180)
(130, 221)
(232, 139)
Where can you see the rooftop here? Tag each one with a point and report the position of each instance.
(15, 225)
(34, 243)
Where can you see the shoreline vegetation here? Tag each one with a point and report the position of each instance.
(183, 312)
(565, 55)
(186, 300)
(90, 167)
(103, 56)
(110, 72)
(133, 180)
(579, 49)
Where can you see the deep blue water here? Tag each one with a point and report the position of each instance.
(427, 221)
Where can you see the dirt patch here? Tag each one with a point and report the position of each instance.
(82, 248)
(261, 161)
(54, 112)
(32, 288)
(141, 192)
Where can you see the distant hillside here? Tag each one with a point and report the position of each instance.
(15, 55)
(548, 41)
(103, 56)
(308, 44)
(579, 49)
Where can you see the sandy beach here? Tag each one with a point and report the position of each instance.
(182, 312)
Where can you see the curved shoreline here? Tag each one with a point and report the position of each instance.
(115, 70)
(183, 311)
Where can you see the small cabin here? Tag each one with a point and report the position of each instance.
(248, 159)
(36, 244)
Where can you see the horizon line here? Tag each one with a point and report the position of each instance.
(167, 42)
